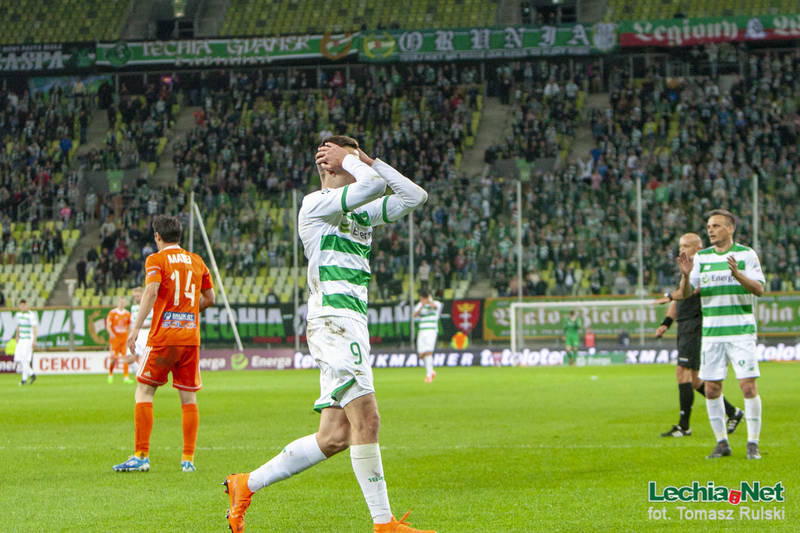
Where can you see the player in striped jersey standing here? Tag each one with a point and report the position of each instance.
(335, 225)
(727, 276)
(27, 324)
(427, 313)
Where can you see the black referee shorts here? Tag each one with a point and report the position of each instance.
(690, 337)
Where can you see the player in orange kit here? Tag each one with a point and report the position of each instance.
(177, 287)
(118, 322)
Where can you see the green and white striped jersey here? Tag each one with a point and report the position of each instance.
(26, 322)
(428, 319)
(335, 226)
(727, 306)
(135, 312)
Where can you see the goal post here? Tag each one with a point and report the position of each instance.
(611, 321)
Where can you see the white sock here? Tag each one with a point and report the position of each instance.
(429, 365)
(368, 468)
(295, 457)
(716, 415)
(752, 413)
(25, 371)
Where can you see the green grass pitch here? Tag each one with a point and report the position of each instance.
(479, 450)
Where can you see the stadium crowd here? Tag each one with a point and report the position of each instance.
(37, 187)
(136, 126)
(693, 143)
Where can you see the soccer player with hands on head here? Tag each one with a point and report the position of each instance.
(336, 225)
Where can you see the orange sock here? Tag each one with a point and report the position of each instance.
(111, 364)
(190, 419)
(125, 370)
(143, 422)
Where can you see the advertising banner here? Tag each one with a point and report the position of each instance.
(777, 315)
(692, 31)
(96, 362)
(487, 43)
(482, 319)
(549, 322)
(225, 52)
(46, 57)
(387, 322)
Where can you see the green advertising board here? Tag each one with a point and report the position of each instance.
(777, 314)
(224, 52)
(446, 44)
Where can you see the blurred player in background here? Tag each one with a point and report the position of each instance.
(689, 315)
(572, 335)
(177, 287)
(144, 332)
(118, 323)
(25, 335)
(336, 226)
(427, 313)
(727, 275)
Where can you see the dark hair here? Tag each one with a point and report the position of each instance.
(723, 213)
(23, 301)
(424, 293)
(168, 227)
(340, 140)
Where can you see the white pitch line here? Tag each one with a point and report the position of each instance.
(524, 446)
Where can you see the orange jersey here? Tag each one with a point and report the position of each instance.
(176, 313)
(118, 323)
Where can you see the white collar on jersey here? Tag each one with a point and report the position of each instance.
(170, 247)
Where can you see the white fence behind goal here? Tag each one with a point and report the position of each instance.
(610, 321)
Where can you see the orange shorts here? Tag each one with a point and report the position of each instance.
(119, 349)
(183, 361)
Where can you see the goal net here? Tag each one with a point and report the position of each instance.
(608, 328)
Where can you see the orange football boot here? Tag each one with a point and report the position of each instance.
(239, 493)
(399, 526)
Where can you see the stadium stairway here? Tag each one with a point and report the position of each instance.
(494, 119)
(166, 173)
(89, 239)
(95, 132)
(584, 139)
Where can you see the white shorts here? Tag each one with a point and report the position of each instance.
(426, 340)
(141, 341)
(714, 359)
(141, 344)
(24, 351)
(340, 346)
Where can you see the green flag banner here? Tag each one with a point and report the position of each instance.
(211, 52)
(691, 31)
(487, 43)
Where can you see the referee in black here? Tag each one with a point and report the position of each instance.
(689, 316)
